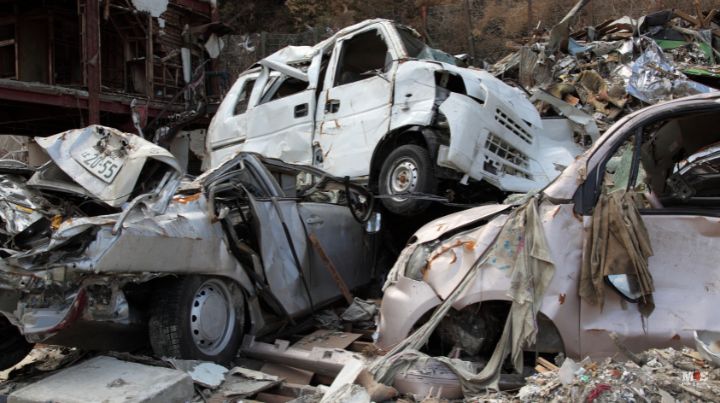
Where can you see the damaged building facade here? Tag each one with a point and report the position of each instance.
(69, 64)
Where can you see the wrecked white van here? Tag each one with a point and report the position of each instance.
(375, 103)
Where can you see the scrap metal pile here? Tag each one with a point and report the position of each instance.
(619, 66)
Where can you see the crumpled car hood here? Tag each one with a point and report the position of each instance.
(75, 152)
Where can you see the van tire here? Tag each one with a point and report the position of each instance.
(407, 169)
(177, 327)
(13, 346)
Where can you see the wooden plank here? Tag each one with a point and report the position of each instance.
(271, 398)
(149, 62)
(331, 268)
(689, 18)
(547, 364)
(539, 368)
(709, 18)
(290, 374)
(327, 339)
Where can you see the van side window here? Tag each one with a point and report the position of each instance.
(241, 104)
(362, 54)
(283, 88)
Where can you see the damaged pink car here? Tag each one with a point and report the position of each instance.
(618, 253)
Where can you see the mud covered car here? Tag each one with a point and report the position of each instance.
(619, 253)
(107, 236)
(375, 103)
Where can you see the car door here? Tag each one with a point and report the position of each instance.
(685, 242)
(354, 107)
(343, 240)
(280, 125)
(228, 129)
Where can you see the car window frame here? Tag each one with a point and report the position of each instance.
(267, 96)
(331, 79)
(588, 193)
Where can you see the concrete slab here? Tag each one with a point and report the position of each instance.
(109, 380)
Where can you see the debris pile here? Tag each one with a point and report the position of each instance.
(619, 66)
(658, 375)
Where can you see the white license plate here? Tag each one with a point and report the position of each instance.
(105, 167)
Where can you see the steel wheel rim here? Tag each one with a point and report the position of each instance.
(403, 178)
(212, 317)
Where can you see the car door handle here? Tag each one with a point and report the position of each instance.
(313, 219)
(332, 105)
(301, 110)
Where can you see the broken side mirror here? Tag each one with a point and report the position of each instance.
(625, 285)
(373, 225)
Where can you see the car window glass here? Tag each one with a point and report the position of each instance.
(361, 56)
(284, 87)
(269, 85)
(416, 48)
(241, 104)
(619, 169)
(697, 177)
(674, 164)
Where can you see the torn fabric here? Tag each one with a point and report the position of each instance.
(618, 243)
(521, 244)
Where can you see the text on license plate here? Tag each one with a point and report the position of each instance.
(103, 166)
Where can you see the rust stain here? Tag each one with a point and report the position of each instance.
(561, 298)
(187, 199)
(577, 216)
(55, 222)
(676, 337)
(468, 245)
(23, 209)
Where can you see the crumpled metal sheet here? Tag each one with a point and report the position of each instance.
(655, 79)
(708, 345)
(64, 147)
(532, 269)
(19, 207)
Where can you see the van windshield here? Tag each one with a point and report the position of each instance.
(417, 49)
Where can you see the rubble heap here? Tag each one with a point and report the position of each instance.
(658, 375)
(619, 66)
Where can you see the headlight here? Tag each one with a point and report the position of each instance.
(417, 262)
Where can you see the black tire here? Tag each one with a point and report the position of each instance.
(13, 346)
(392, 172)
(180, 311)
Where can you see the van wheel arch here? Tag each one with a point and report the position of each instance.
(425, 137)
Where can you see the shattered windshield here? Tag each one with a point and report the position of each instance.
(418, 49)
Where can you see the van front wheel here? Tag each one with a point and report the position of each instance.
(407, 170)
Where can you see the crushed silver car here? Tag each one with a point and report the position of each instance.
(108, 234)
(375, 103)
